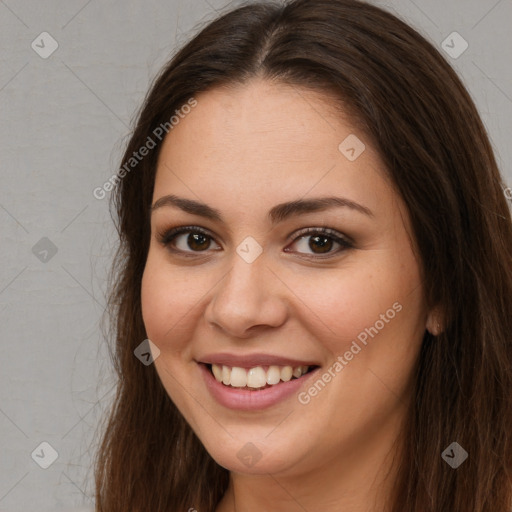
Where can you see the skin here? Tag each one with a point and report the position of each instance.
(243, 151)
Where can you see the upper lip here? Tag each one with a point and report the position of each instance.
(252, 360)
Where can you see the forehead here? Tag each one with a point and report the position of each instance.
(288, 122)
(272, 141)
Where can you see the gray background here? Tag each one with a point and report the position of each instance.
(64, 121)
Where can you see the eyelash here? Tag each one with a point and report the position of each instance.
(168, 236)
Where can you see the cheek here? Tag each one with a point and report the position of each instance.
(342, 303)
(380, 298)
(169, 314)
(389, 319)
(153, 300)
(165, 300)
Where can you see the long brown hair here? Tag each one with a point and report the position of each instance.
(423, 122)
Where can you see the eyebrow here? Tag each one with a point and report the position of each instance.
(276, 214)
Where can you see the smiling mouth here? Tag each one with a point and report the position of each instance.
(257, 378)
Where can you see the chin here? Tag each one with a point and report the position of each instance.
(254, 457)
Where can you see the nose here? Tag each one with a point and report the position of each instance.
(248, 299)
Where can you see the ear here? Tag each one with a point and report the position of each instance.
(434, 323)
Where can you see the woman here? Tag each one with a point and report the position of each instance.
(316, 240)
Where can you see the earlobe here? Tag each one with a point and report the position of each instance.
(434, 322)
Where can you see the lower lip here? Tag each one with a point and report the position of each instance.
(248, 400)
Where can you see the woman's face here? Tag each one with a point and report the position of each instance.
(261, 288)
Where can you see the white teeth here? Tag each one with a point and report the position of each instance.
(273, 375)
(217, 371)
(297, 372)
(226, 375)
(286, 373)
(256, 377)
(238, 377)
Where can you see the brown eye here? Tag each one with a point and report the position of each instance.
(321, 242)
(197, 241)
(186, 240)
